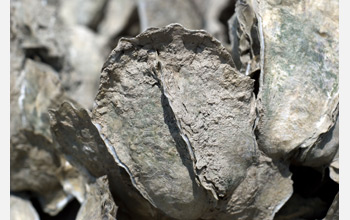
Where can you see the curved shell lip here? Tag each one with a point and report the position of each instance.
(171, 27)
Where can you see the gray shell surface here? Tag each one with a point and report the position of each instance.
(298, 97)
(180, 119)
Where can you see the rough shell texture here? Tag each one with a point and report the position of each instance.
(76, 53)
(244, 36)
(37, 57)
(298, 98)
(80, 141)
(34, 163)
(145, 125)
(180, 119)
(265, 189)
(99, 203)
(174, 124)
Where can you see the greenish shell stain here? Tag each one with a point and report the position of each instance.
(300, 53)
